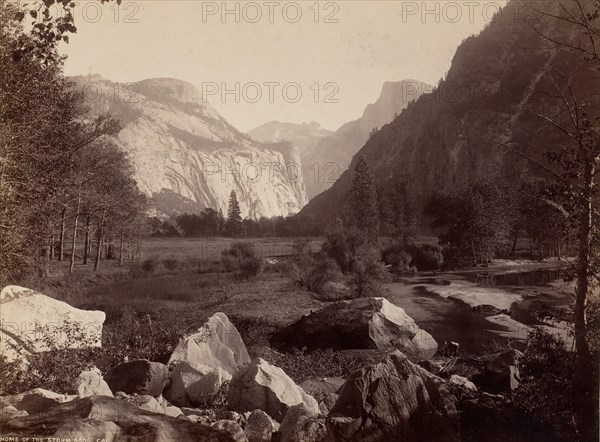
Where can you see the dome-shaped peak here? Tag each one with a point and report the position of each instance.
(169, 89)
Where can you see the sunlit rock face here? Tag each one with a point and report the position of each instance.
(187, 157)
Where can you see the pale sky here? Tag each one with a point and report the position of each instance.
(328, 51)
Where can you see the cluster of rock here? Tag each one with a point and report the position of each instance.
(359, 323)
(142, 399)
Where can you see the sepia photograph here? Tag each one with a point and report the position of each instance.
(299, 221)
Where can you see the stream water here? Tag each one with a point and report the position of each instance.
(448, 319)
(531, 278)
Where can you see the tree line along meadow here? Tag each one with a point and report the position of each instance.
(486, 219)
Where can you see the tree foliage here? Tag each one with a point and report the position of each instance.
(56, 163)
(363, 201)
(475, 220)
(234, 218)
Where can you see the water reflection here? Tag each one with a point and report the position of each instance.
(530, 278)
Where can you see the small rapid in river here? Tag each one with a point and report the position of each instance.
(477, 309)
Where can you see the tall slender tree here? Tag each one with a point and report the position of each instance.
(573, 27)
(234, 217)
(363, 201)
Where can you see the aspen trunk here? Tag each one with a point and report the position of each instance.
(52, 246)
(87, 242)
(99, 242)
(585, 381)
(121, 246)
(61, 245)
(74, 237)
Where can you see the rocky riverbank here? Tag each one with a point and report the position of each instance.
(211, 389)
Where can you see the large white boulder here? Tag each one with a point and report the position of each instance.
(31, 322)
(202, 361)
(266, 387)
(217, 344)
(359, 323)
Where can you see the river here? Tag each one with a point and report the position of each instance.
(478, 310)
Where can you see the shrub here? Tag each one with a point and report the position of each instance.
(49, 369)
(243, 258)
(313, 271)
(255, 332)
(322, 363)
(301, 247)
(427, 257)
(128, 334)
(250, 267)
(170, 264)
(367, 274)
(546, 388)
(241, 249)
(342, 244)
(398, 257)
(322, 271)
(148, 265)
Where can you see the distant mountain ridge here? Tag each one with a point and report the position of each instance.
(303, 135)
(498, 80)
(332, 155)
(188, 157)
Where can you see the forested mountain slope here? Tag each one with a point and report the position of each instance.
(489, 104)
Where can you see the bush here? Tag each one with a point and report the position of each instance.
(301, 247)
(427, 257)
(368, 274)
(342, 244)
(55, 369)
(242, 258)
(241, 249)
(251, 267)
(322, 363)
(546, 389)
(399, 258)
(170, 264)
(313, 271)
(255, 332)
(316, 276)
(149, 265)
(129, 334)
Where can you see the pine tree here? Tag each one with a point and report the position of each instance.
(404, 213)
(363, 201)
(234, 218)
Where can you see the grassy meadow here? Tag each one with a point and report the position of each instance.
(211, 248)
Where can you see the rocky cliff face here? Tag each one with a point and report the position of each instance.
(331, 155)
(187, 157)
(304, 136)
(496, 84)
